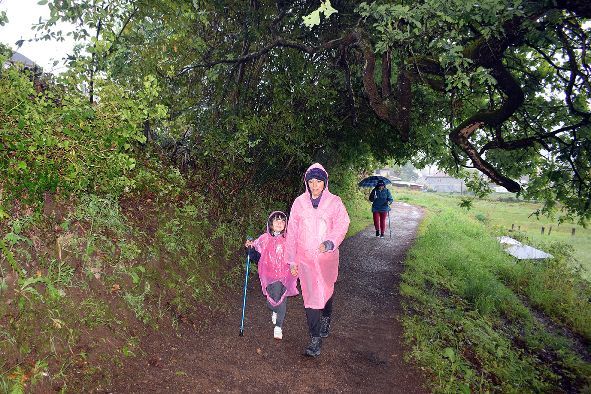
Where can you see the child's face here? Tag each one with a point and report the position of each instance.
(278, 225)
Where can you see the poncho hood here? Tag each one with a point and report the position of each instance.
(313, 166)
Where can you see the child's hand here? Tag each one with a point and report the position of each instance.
(248, 243)
(294, 270)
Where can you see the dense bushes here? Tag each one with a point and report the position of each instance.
(56, 140)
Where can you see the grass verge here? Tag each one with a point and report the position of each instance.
(470, 324)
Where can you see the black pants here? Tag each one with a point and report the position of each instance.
(313, 316)
(276, 290)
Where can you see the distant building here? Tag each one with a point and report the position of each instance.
(19, 58)
(441, 182)
(409, 185)
(387, 173)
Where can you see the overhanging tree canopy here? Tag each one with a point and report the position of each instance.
(501, 86)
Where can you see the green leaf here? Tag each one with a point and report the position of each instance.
(3, 214)
(9, 257)
(134, 277)
(465, 203)
(31, 281)
(42, 2)
(449, 353)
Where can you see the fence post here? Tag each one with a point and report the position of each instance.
(542, 230)
(519, 228)
(572, 231)
(549, 230)
(512, 226)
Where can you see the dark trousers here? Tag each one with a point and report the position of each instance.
(313, 316)
(379, 221)
(276, 290)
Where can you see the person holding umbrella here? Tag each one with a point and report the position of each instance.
(318, 224)
(381, 199)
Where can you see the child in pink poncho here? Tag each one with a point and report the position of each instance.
(278, 281)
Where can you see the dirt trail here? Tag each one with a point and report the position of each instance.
(364, 352)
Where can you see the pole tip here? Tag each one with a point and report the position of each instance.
(241, 333)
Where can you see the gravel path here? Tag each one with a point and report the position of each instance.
(364, 352)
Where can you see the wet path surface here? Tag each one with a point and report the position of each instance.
(364, 352)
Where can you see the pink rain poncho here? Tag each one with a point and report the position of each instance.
(308, 228)
(273, 266)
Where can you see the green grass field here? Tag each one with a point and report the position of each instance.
(475, 319)
(517, 215)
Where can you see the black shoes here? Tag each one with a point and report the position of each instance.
(377, 233)
(313, 349)
(382, 235)
(324, 326)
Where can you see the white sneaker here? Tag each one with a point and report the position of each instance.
(277, 333)
(274, 317)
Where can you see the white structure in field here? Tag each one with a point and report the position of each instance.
(521, 251)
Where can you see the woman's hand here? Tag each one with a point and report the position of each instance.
(294, 270)
(322, 248)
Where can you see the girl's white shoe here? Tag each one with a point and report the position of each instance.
(277, 333)
(274, 317)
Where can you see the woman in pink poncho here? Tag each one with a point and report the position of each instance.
(318, 224)
(277, 280)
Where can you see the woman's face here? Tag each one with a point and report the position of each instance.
(316, 187)
(278, 225)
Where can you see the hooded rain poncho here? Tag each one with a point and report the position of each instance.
(273, 266)
(308, 228)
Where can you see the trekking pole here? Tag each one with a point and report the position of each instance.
(389, 226)
(245, 286)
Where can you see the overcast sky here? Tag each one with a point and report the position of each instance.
(22, 14)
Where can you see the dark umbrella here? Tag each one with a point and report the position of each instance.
(372, 181)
